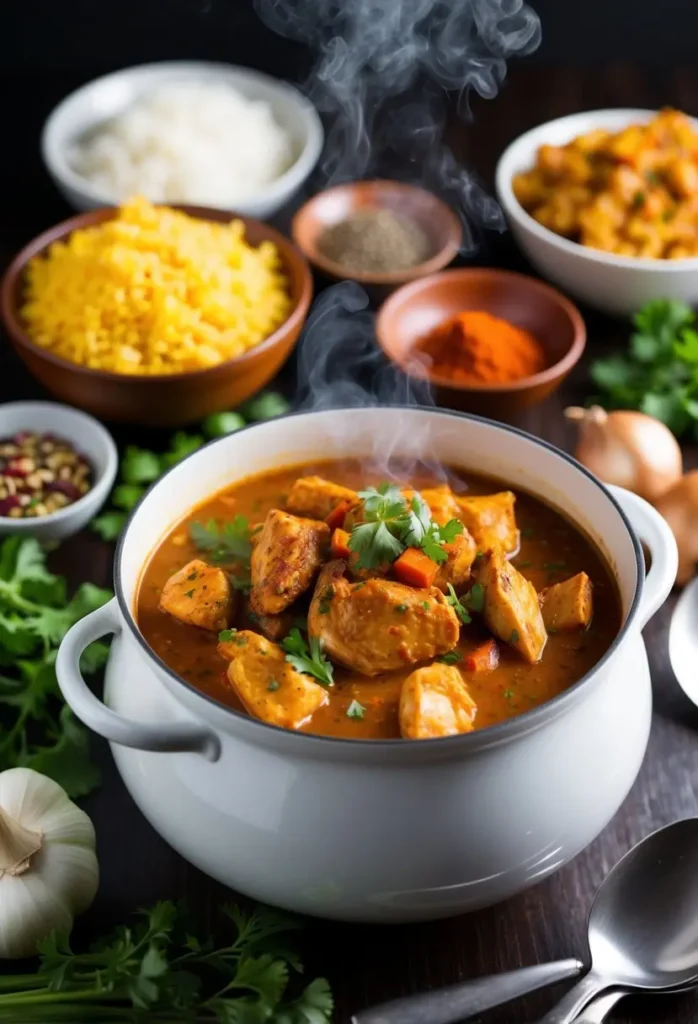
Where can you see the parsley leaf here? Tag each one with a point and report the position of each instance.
(140, 466)
(109, 525)
(266, 406)
(450, 658)
(459, 608)
(156, 969)
(39, 731)
(308, 658)
(658, 373)
(223, 543)
(356, 710)
(220, 423)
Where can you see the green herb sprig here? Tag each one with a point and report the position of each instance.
(158, 972)
(658, 374)
(308, 658)
(473, 601)
(39, 731)
(390, 524)
(223, 542)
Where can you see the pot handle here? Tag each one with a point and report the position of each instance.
(171, 736)
(655, 533)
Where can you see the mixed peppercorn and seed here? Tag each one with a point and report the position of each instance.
(40, 474)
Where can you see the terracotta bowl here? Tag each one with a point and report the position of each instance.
(412, 311)
(435, 218)
(166, 400)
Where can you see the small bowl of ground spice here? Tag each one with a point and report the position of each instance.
(379, 233)
(57, 467)
(489, 341)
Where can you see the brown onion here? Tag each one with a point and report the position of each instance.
(679, 506)
(629, 449)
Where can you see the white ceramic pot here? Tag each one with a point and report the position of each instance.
(371, 830)
(614, 284)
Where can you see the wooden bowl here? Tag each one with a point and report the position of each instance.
(414, 310)
(166, 400)
(434, 217)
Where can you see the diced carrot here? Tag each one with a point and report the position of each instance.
(415, 568)
(336, 517)
(484, 658)
(339, 545)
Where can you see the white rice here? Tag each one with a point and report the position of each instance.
(189, 142)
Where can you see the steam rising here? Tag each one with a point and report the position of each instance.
(381, 75)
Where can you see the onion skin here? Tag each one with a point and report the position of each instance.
(679, 506)
(628, 449)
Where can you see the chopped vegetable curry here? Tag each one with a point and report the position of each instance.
(328, 600)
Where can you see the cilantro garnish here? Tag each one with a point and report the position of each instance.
(390, 524)
(450, 658)
(473, 601)
(308, 658)
(273, 685)
(226, 542)
(226, 635)
(356, 710)
(658, 373)
(39, 731)
(155, 969)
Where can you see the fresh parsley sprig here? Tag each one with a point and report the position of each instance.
(39, 731)
(390, 524)
(308, 657)
(473, 601)
(223, 542)
(158, 971)
(658, 374)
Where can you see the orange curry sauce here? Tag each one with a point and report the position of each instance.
(551, 550)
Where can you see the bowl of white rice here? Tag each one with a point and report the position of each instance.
(184, 132)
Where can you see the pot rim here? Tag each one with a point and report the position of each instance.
(489, 736)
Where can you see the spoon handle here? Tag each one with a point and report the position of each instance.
(566, 1011)
(447, 1005)
(598, 1009)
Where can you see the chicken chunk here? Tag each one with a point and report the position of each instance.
(490, 518)
(199, 595)
(442, 503)
(457, 567)
(568, 605)
(377, 626)
(315, 498)
(285, 561)
(511, 608)
(267, 685)
(434, 701)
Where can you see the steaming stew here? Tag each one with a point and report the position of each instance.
(419, 613)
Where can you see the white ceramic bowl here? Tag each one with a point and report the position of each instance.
(378, 830)
(106, 97)
(90, 438)
(614, 284)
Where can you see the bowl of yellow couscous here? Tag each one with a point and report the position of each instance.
(605, 204)
(155, 315)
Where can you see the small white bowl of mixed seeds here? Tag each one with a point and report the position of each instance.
(57, 467)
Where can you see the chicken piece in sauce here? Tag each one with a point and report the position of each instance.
(199, 595)
(285, 560)
(442, 503)
(434, 701)
(511, 609)
(490, 519)
(267, 685)
(456, 570)
(568, 605)
(315, 498)
(273, 627)
(378, 625)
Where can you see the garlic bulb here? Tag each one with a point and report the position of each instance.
(627, 448)
(48, 865)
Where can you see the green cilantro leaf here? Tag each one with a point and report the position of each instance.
(109, 525)
(459, 608)
(140, 466)
(356, 710)
(266, 406)
(220, 423)
(308, 658)
(181, 445)
(450, 658)
(228, 542)
(127, 496)
(475, 598)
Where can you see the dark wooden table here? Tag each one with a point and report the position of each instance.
(366, 965)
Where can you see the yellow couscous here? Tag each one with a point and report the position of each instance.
(154, 291)
(632, 192)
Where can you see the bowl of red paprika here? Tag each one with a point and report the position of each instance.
(489, 341)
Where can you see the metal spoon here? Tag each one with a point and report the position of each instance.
(643, 925)
(683, 641)
(456, 1002)
(598, 1009)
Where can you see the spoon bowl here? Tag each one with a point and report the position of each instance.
(643, 926)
